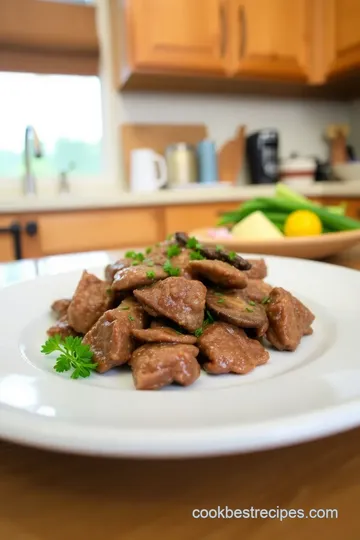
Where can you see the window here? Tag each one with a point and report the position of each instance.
(65, 111)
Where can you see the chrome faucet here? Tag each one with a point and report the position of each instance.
(30, 180)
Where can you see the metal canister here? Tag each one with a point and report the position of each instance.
(181, 160)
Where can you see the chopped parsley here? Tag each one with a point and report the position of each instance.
(135, 256)
(149, 262)
(266, 300)
(251, 303)
(150, 274)
(125, 308)
(148, 250)
(135, 263)
(219, 248)
(170, 269)
(198, 332)
(192, 243)
(249, 310)
(221, 300)
(209, 317)
(173, 250)
(232, 255)
(196, 256)
(131, 318)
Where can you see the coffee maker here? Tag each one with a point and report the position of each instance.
(262, 156)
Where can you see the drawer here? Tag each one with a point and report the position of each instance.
(189, 217)
(6, 241)
(97, 230)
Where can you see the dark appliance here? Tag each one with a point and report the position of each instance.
(262, 156)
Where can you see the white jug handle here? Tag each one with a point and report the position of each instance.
(162, 179)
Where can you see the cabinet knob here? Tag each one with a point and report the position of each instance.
(31, 228)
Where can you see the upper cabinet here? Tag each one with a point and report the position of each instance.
(234, 45)
(343, 36)
(185, 35)
(271, 38)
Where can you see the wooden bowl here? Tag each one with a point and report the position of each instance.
(309, 247)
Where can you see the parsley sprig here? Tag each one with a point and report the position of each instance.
(192, 243)
(173, 250)
(73, 355)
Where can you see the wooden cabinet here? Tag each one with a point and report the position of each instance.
(6, 240)
(97, 230)
(189, 217)
(271, 38)
(183, 35)
(343, 35)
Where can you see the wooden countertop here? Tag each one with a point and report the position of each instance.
(49, 496)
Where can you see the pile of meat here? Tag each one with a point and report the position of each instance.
(178, 308)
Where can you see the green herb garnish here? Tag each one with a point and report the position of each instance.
(170, 269)
(74, 355)
(219, 248)
(196, 256)
(148, 250)
(251, 303)
(231, 255)
(198, 332)
(266, 300)
(150, 274)
(135, 263)
(125, 308)
(192, 243)
(136, 256)
(172, 251)
(249, 310)
(221, 300)
(131, 318)
(209, 317)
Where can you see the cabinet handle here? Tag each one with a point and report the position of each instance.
(15, 230)
(242, 27)
(223, 36)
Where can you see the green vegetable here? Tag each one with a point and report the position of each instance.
(219, 247)
(251, 303)
(148, 250)
(265, 300)
(170, 269)
(249, 309)
(74, 355)
(150, 274)
(232, 255)
(131, 318)
(192, 243)
(198, 332)
(138, 257)
(173, 250)
(196, 256)
(125, 308)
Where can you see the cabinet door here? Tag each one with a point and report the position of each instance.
(189, 217)
(271, 38)
(177, 35)
(71, 232)
(343, 33)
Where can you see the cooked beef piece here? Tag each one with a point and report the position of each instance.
(257, 290)
(110, 339)
(134, 277)
(60, 307)
(62, 327)
(179, 299)
(289, 320)
(229, 350)
(215, 253)
(157, 365)
(220, 273)
(113, 268)
(182, 261)
(162, 335)
(135, 311)
(89, 302)
(233, 307)
(258, 269)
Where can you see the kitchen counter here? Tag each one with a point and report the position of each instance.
(117, 199)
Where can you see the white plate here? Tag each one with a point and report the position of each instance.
(295, 397)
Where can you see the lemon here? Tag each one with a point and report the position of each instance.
(302, 223)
